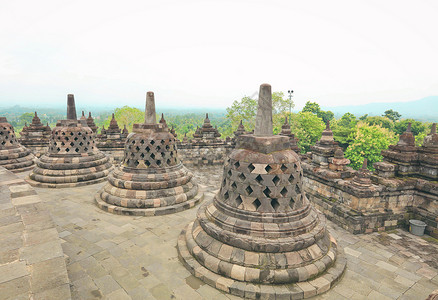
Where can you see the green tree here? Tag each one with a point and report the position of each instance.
(343, 128)
(364, 117)
(380, 121)
(126, 115)
(246, 110)
(308, 128)
(392, 115)
(314, 108)
(368, 141)
(417, 127)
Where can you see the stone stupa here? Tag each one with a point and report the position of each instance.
(36, 136)
(150, 180)
(13, 156)
(72, 159)
(260, 238)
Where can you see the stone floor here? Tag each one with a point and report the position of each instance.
(122, 257)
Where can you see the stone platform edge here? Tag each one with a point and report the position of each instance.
(32, 264)
(300, 290)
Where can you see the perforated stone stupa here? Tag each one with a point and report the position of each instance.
(36, 136)
(72, 158)
(13, 156)
(150, 180)
(112, 141)
(260, 238)
(285, 130)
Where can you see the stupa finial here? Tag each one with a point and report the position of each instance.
(263, 123)
(71, 107)
(149, 115)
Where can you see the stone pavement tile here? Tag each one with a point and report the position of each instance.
(15, 287)
(417, 291)
(386, 266)
(427, 272)
(15, 227)
(8, 256)
(394, 236)
(13, 271)
(25, 200)
(161, 291)
(48, 274)
(378, 296)
(352, 252)
(343, 290)
(61, 292)
(106, 284)
(185, 291)
(75, 271)
(404, 281)
(332, 295)
(41, 252)
(40, 237)
(140, 293)
(117, 295)
(85, 288)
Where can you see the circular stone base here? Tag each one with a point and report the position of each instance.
(63, 185)
(156, 211)
(25, 169)
(292, 291)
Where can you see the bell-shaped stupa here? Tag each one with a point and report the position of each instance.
(13, 156)
(150, 180)
(260, 237)
(72, 158)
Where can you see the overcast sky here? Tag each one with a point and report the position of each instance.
(209, 53)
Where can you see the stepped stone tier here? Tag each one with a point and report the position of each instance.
(36, 136)
(90, 123)
(285, 130)
(207, 134)
(112, 141)
(259, 237)
(150, 180)
(402, 187)
(324, 148)
(72, 158)
(13, 156)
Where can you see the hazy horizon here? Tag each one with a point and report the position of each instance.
(193, 52)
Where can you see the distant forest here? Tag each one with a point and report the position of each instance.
(360, 137)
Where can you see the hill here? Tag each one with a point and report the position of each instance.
(425, 109)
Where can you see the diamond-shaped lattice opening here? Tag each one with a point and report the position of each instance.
(67, 149)
(162, 142)
(79, 133)
(167, 147)
(77, 150)
(268, 168)
(238, 201)
(76, 138)
(234, 185)
(259, 179)
(283, 168)
(158, 148)
(137, 148)
(66, 138)
(229, 173)
(171, 153)
(257, 203)
(142, 142)
(297, 189)
(85, 149)
(242, 177)
(251, 167)
(133, 142)
(152, 142)
(163, 154)
(236, 164)
(147, 163)
(147, 149)
(72, 144)
(168, 161)
(291, 204)
(57, 149)
(136, 162)
(267, 191)
(142, 155)
(291, 178)
(153, 156)
(283, 192)
(276, 179)
(63, 133)
(275, 205)
(71, 133)
(159, 162)
(249, 190)
(226, 196)
(224, 182)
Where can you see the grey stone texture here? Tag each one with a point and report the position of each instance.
(260, 237)
(150, 115)
(73, 158)
(13, 156)
(32, 263)
(36, 136)
(150, 180)
(111, 141)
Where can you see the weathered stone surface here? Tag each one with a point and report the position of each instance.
(263, 124)
(36, 136)
(150, 180)
(245, 239)
(72, 159)
(13, 156)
